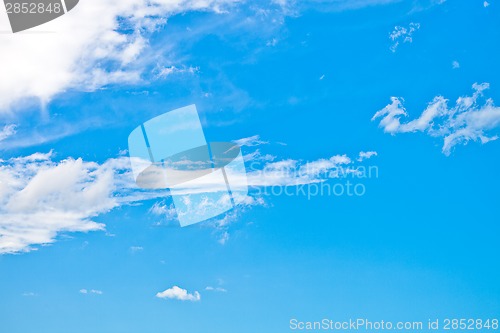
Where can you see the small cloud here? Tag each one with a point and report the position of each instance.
(179, 294)
(366, 155)
(8, 131)
(29, 294)
(216, 289)
(92, 291)
(322, 77)
(135, 249)
(455, 64)
(161, 209)
(486, 4)
(163, 72)
(251, 141)
(403, 35)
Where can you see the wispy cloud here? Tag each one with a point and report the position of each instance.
(251, 141)
(91, 291)
(403, 35)
(85, 53)
(364, 155)
(7, 131)
(224, 238)
(217, 289)
(41, 198)
(466, 121)
(177, 293)
(135, 249)
(29, 294)
(162, 72)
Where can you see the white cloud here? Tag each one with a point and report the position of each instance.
(466, 121)
(403, 35)
(163, 72)
(162, 209)
(180, 294)
(486, 4)
(7, 131)
(217, 289)
(251, 141)
(41, 198)
(136, 249)
(455, 64)
(364, 155)
(92, 291)
(97, 43)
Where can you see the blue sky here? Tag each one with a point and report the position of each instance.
(83, 250)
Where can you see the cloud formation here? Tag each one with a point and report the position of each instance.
(98, 43)
(42, 198)
(403, 35)
(177, 293)
(467, 121)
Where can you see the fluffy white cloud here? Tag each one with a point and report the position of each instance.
(40, 198)
(403, 35)
(179, 294)
(97, 43)
(466, 121)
